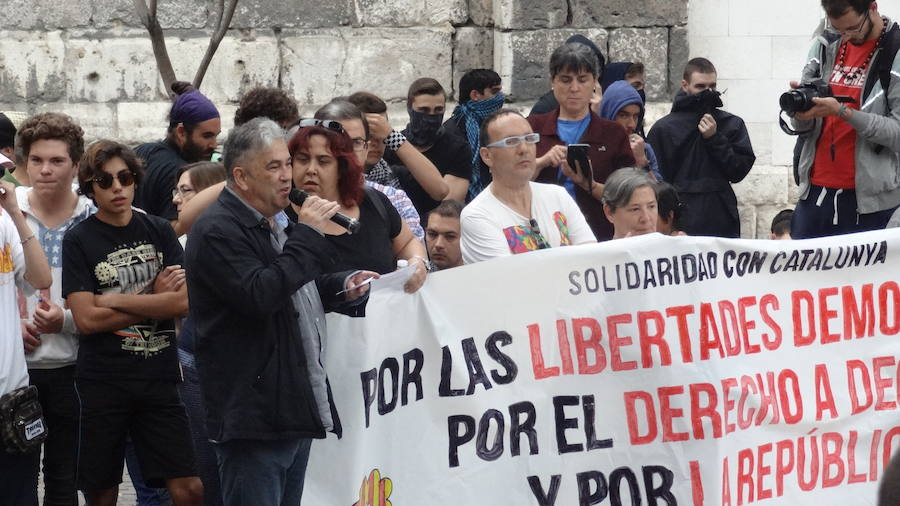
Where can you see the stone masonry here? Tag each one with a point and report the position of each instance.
(93, 59)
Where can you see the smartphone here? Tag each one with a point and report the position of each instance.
(577, 156)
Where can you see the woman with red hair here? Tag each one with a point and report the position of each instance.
(325, 165)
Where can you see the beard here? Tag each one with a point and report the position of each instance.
(191, 152)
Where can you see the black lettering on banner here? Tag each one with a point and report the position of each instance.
(512, 370)
(412, 376)
(473, 365)
(563, 423)
(389, 364)
(615, 486)
(444, 389)
(587, 496)
(484, 426)
(518, 427)
(573, 280)
(664, 490)
(454, 422)
(590, 428)
(548, 499)
(369, 379)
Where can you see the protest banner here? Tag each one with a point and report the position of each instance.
(653, 370)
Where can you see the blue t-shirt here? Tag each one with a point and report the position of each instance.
(570, 132)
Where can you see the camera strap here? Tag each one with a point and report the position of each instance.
(786, 128)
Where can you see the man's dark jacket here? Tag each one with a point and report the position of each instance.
(161, 163)
(249, 352)
(702, 170)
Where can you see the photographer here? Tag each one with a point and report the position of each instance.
(850, 176)
(701, 150)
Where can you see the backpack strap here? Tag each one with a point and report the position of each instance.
(883, 65)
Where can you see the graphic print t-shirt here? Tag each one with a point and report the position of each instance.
(100, 258)
(839, 171)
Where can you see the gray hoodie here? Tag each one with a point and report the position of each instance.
(877, 173)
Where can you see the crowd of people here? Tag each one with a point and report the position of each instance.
(163, 306)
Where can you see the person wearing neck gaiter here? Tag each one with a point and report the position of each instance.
(479, 95)
(426, 104)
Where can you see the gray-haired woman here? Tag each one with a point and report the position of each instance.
(629, 202)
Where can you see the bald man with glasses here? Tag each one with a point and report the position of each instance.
(514, 214)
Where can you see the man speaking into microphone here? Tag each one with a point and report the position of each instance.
(258, 295)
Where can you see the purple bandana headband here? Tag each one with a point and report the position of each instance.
(192, 107)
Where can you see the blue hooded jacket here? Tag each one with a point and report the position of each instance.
(618, 95)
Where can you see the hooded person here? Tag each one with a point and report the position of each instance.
(622, 104)
(548, 102)
(194, 125)
(450, 154)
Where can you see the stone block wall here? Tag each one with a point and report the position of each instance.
(93, 59)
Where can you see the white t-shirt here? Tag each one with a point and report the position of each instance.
(13, 372)
(491, 229)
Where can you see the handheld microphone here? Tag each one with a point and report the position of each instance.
(299, 196)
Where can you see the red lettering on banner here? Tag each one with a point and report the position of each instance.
(616, 342)
(726, 484)
(709, 333)
(728, 403)
(771, 342)
(684, 337)
(537, 356)
(852, 475)
(856, 406)
(745, 476)
(592, 342)
(762, 471)
(858, 321)
(782, 467)
(889, 329)
(747, 324)
(783, 378)
(831, 459)
(889, 445)
(767, 400)
(803, 298)
(699, 412)
(649, 340)
(631, 417)
(824, 396)
(826, 315)
(882, 383)
(747, 384)
(565, 353)
(667, 414)
(696, 483)
(731, 332)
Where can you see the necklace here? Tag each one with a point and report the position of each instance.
(853, 76)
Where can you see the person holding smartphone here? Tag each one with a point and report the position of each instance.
(574, 69)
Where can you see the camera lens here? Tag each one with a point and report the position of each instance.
(793, 101)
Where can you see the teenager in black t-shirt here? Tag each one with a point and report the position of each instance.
(426, 104)
(124, 285)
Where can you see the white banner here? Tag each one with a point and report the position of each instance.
(652, 370)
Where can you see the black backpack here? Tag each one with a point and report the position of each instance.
(882, 66)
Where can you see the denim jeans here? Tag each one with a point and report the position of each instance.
(56, 391)
(262, 473)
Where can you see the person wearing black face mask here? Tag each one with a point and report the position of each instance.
(426, 103)
(702, 150)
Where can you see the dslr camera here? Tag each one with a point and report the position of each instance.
(800, 99)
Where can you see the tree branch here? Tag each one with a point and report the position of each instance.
(147, 16)
(223, 21)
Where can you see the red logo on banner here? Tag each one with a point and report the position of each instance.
(375, 490)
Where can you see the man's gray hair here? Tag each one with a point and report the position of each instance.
(574, 57)
(342, 109)
(247, 140)
(621, 184)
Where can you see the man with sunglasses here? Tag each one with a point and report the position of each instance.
(123, 282)
(849, 169)
(514, 214)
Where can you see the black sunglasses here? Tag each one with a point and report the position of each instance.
(326, 123)
(105, 180)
